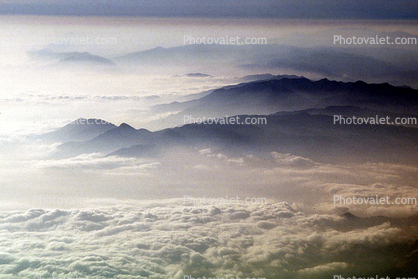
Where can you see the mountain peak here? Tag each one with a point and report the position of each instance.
(89, 121)
(125, 126)
(197, 75)
(85, 57)
(79, 130)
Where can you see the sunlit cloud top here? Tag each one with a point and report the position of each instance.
(304, 9)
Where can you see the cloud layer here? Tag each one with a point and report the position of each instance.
(167, 239)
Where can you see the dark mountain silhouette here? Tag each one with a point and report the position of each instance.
(181, 54)
(372, 64)
(63, 57)
(314, 136)
(197, 75)
(302, 123)
(86, 58)
(260, 77)
(349, 111)
(290, 94)
(318, 94)
(109, 141)
(81, 129)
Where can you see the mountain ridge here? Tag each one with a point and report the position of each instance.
(290, 94)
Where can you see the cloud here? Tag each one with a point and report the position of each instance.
(292, 161)
(397, 200)
(312, 186)
(163, 239)
(307, 184)
(326, 269)
(93, 161)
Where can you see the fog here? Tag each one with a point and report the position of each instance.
(162, 203)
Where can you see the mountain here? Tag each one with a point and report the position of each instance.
(86, 58)
(313, 136)
(300, 119)
(197, 75)
(50, 53)
(326, 37)
(350, 111)
(396, 64)
(57, 59)
(81, 129)
(383, 63)
(182, 54)
(289, 94)
(112, 139)
(260, 77)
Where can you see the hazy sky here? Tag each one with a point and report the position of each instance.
(98, 215)
(352, 9)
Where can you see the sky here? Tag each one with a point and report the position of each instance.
(112, 216)
(303, 9)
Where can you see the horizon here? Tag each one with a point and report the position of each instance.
(405, 9)
(177, 139)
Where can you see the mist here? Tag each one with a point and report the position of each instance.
(101, 175)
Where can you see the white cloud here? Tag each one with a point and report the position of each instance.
(289, 160)
(163, 239)
(93, 161)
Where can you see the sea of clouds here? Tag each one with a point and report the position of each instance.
(170, 239)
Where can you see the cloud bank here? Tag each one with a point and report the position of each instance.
(165, 239)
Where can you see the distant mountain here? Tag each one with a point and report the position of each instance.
(349, 111)
(73, 58)
(326, 37)
(313, 136)
(85, 57)
(260, 77)
(182, 54)
(300, 120)
(290, 94)
(299, 133)
(196, 98)
(302, 54)
(383, 63)
(108, 141)
(81, 129)
(197, 75)
(47, 53)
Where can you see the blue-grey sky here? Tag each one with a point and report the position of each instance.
(304, 9)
